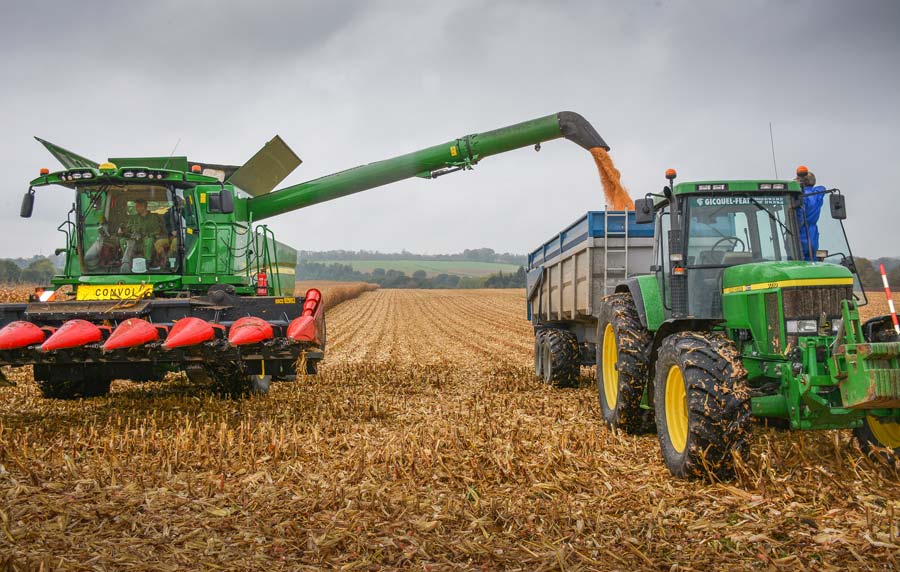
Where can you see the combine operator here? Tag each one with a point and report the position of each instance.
(142, 231)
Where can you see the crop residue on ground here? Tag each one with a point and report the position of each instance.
(424, 444)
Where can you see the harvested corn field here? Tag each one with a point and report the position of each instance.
(425, 443)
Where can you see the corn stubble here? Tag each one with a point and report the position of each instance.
(425, 444)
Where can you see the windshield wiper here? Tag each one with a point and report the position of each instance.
(772, 216)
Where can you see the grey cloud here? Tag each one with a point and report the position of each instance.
(686, 84)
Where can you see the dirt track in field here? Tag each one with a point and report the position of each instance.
(424, 444)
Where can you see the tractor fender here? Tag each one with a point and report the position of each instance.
(632, 287)
(645, 292)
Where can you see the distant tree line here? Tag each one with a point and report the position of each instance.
(37, 270)
(308, 270)
(870, 275)
(471, 255)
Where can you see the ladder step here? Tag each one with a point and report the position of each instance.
(615, 269)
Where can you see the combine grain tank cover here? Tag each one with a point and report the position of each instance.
(266, 169)
(68, 159)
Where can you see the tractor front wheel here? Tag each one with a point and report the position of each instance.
(880, 439)
(702, 404)
(622, 365)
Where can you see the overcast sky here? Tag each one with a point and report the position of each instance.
(683, 84)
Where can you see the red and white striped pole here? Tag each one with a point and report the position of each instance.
(890, 299)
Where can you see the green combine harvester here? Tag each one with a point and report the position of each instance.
(169, 266)
(710, 317)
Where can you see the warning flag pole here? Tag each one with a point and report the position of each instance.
(890, 299)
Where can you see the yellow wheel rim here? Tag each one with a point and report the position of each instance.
(610, 373)
(676, 409)
(887, 433)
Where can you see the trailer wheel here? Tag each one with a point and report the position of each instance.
(879, 439)
(702, 404)
(561, 361)
(69, 381)
(622, 365)
(539, 354)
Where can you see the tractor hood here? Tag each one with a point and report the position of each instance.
(765, 275)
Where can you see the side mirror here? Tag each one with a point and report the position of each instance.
(838, 208)
(27, 204)
(643, 211)
(226, 201)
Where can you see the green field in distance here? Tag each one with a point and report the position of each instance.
(432, 267)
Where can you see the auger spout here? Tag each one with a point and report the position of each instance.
(431, 162)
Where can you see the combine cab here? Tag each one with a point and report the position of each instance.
(168, 269)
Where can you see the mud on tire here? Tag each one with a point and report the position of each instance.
(716, 401)
(621, 335)
(561, 361)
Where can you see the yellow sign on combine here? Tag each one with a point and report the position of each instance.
(113, 291)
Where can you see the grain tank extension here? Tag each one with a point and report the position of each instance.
(169, 269)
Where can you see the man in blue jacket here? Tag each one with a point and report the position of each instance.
(808, 215)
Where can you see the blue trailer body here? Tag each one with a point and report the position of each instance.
(591, 225)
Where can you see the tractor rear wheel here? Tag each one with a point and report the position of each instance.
(880, 439)
(622, 365)
(69, 381)
(561, 361)
(702, 404)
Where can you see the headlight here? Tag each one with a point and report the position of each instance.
(802, 327)
(836, 324)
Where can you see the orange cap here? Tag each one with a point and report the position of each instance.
(45, 171)
(802, 171)
(670, 173)
(196, 168)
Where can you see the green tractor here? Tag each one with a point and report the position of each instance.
(735, 323)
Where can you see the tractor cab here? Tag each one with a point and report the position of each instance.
(719, 237)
